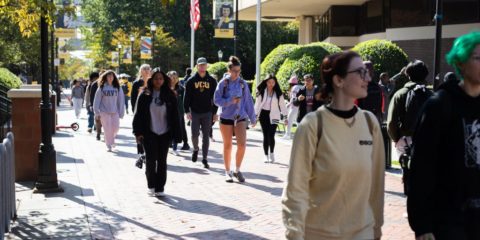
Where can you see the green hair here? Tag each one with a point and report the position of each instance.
(462, 49)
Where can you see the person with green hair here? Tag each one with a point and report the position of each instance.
(444, 196)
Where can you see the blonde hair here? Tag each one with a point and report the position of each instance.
(143, 67)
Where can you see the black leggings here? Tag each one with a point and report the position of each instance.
(268, 130)
(156, 151)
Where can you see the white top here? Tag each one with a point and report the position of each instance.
(277, 106)
(158, 113)
(267, 105)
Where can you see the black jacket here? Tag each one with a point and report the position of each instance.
(302, 105)
(199, 94)
(445, 166)
(93, 90)
(134, 95)
(373, 101)
(142, 118)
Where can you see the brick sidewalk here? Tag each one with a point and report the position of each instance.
(105, 195)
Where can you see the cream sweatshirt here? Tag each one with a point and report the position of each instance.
(335, 190)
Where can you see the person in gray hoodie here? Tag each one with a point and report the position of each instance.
(109, 105)
(77, 97)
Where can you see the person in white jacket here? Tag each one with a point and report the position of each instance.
(110, 106)
(269, 107)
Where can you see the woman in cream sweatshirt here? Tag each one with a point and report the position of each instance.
(110, 106)
(335, 185)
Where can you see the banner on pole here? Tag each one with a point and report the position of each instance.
(146, 48)
(223, 14)
(62, 48)
(114, 59)
(127, 55)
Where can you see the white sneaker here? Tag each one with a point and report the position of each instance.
(229, 177)
(175, 152)
(160, 194)
(151, 192)
(267, 159)
(272, 158)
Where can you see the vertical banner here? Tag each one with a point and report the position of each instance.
(223, 14)
(146, 48)
(127, 55)
(65, 23)
(62, 48)
(114, 59)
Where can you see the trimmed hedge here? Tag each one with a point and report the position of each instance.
(298, 63)
(274, 60)
(8, 79)
(385, 56)
(218, 68)
(301, 66)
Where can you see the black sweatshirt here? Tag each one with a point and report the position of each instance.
(135, 89)
(199, 94)
(445, 167)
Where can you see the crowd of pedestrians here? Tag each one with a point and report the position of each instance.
(335, 184)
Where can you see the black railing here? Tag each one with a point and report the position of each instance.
(5, 112)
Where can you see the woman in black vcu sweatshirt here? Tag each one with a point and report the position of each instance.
(444, 196)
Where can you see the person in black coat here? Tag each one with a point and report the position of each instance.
(307, 99)
(156, 125)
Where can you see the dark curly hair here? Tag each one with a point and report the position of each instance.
(165, 90)
(103, 79)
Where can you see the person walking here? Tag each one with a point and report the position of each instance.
(270, 106)
(199, 108)
(93, 91)
(77, 98)
(109, 105)
(88, 100)
(305, 99)
(126, 92)
(142, 76)
(335, 184)
(179, 92)
(155, 125)
(292, 109)
(188, 75)
(233, 96)
(443, 201)
(387, 87)
(373, 101)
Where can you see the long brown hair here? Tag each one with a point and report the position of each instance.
(103, 79)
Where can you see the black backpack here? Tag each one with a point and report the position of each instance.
(416, 97)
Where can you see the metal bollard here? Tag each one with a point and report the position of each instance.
(3, 191)
(388, 146)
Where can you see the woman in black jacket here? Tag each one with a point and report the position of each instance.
(155, 124)
(308, 98)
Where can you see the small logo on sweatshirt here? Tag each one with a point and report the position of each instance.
(365, 143)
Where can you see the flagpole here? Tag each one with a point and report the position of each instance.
(192, 42)
(259, 39)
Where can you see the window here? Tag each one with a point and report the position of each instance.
(411, 13)
(460, 11)
(344, 20)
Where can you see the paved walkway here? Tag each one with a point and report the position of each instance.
(105, 195)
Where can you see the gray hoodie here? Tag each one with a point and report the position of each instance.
(109, 100)
(77, 92)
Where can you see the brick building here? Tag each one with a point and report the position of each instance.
(408, 23)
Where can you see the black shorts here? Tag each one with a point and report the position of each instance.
(230, 121)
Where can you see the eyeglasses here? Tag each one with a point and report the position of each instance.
(361, 71)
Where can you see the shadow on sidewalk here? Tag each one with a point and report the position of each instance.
(224, 234)
(251, 175)
(272, 190)
(203, 207)
(398, 194)
(63, 158)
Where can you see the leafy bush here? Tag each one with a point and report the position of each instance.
(385, 56)
(274, 60)
(305, 64)
(8, 79)
(298, 63)
(218, 69)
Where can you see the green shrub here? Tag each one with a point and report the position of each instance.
(8, 79)
(218, 69)
(385, 56)
(274, 60)
(294, 64)
(305, 64)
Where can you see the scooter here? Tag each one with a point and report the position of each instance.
(74, 126)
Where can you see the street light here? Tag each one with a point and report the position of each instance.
(132, 40)
(220, 55)
(153, 30)
(119, 56)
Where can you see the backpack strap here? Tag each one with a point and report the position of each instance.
(369, 122)
(319, 126)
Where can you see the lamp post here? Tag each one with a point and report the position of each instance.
(132, 40)
(153, 30)
(47, 163)
(438, 44)
(220, 55)
(119, 56)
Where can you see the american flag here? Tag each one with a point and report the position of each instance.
(195, 14)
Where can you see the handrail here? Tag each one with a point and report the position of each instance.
(7, 184)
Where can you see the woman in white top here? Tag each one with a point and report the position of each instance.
(269, 106)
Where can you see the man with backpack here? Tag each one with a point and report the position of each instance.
(373, 101)
(404, 111)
